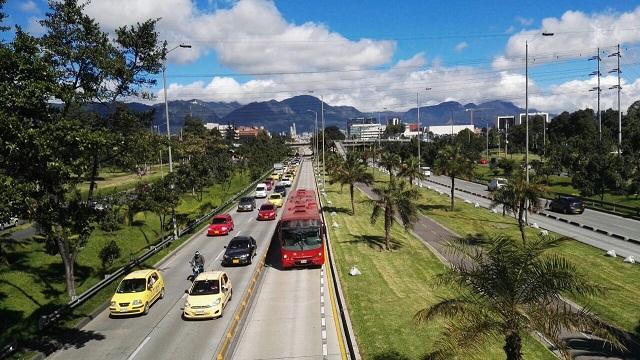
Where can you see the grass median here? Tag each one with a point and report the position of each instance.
(33, 284)
(393, 286)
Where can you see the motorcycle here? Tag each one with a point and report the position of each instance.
(196, 270)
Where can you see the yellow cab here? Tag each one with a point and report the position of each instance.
(275, 176)
(209, 294)
(276, 199)
(137, 292)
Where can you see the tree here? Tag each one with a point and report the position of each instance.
(507, 166)
(351, 172)
(453, 162)
(509, 288)
(596, 171)
(390, 161)
(519, 197)
(163, 200)
(395, 198)
(411, 170)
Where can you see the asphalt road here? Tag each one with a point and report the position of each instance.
(163, 334)
(285, 321)
(628, 228)
(613, 223)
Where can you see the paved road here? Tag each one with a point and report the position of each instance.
(285, 322)
(162, 334)
(601, 241)
(625, 227)
(582, 346)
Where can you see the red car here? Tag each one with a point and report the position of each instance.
(483, 161)
(220, 225)
(267, 212)
(269, 184)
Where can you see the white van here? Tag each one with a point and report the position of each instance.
(426, 171)
(261, 191)
(496, 183)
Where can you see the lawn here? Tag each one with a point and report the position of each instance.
(33, 284)
(112, 181)
(619, 305)
(392, 287)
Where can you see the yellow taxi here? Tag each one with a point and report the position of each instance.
(276, 199)
(137, 292)
(275, 176)
(209, 294)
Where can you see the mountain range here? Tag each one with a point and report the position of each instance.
(278, 116)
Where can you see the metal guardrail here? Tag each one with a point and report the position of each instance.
(46, 320)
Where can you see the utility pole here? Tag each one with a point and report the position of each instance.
(323, 131)
(618, 71)
(487, 140)
(598, 90)
(419, 132)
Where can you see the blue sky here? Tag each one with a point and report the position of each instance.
(465, 51)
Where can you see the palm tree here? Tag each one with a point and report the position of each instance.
(395, 198)
(390, 161)
(453, 162)
(353, 171)
(519, 197)
(411, 170)
(509, 288)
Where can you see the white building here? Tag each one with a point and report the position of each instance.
(439, 130)
(366, 131)
(221, 128)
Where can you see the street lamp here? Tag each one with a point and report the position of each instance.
(315, 140)
(166, 111)
(419, 130)
(526, 100)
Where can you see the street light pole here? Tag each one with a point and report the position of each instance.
(419, 130)
(617, 70)
(166, 111)
(315, 140)
(323, 131)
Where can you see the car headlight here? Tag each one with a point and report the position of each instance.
(226, 256)
(224, 228)
(216, 302)
(136, 302)
(113, 303)
(186, 304)
(244, 256)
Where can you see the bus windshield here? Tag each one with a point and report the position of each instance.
(301, 235)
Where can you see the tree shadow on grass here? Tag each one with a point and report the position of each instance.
(389, 355)
(60, 338)
(375, 242)
(431, 207)
(338, 210)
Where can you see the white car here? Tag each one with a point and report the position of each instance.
(13, 221)
(261, 191)
(426, 171)
(285, 181)
(496, 183)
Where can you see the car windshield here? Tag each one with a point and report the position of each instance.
(279, 187)
(266, 207)
(216, 221)
(274, 196)
(260, 188)
(205, 287)
(246, 201)
(131, 286)
(238, 244)
(301, 235)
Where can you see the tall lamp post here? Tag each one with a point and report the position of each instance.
(166, 112)
(526, 100)
(315, 140)
(419, 130)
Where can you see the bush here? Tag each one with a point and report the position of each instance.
(111, 219)
(109, 253)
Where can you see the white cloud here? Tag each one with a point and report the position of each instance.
(524, 21)
(34, 27)
(28, 6)
(461, 46)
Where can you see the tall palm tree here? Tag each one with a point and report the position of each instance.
(509, 288)
(395, 198)
(390, 161)
(353, 171)
(453, 162)
(411, 170)
(519, 197)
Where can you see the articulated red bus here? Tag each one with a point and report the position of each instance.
(300, 231)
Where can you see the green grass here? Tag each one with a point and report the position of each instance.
(619, 305)
(34, 282)
(113, 181)
(393, 287)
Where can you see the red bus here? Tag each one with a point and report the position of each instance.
(300, 231)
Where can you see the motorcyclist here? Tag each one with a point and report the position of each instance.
(198, 261)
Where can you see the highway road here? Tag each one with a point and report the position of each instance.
(625, 227)
(286, 321)
(601, 241)
(163, 334)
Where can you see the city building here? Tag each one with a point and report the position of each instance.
(439, 130)
(248, 132)
(223, 129)
(366, 131)
(502, 122)
(394, 121)
(533, 116)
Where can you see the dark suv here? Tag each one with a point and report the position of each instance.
(241, 250)
(281, 189)
(567, 205)
(247, 204)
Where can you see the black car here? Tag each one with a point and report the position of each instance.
(281, 189)
(567, 205)
(247, 204)
(240, 250)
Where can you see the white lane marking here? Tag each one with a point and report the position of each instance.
(238, 233)
(184, 295)
(218, 257)
(139, 348)
(249, 220)
(168, 263)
